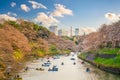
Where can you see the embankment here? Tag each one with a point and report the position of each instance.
(111, 69)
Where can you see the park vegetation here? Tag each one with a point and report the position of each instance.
(21, 40)
(103, 47)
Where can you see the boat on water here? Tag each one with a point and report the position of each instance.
(62, 63)
(47, 64)
(87, 69)
(72, 58)
(40, 69)
(82, 62)
(53, 69)
(74, 63)
(17, 77)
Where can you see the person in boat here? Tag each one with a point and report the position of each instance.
(17, 77)
(49, 69)
(82, 62)
(37, 69)
(74, 63)
(87, 69)
(48, 61)
(40, 69)
(62, 63)
(26, 69)
(53, 66)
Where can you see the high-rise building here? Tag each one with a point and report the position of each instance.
(65, 32)
(62, 32)
(71, 32)
(53, 29)
(76, 31)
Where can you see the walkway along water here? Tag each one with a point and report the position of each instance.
(68, 71)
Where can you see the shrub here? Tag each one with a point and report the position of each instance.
(1, 26)
(36, 27)
(66, 51)
(38, 53)
(18, 55)
(13, 23)
(53, 50)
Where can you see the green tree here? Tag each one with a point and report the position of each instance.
(13, 23)
(1, 26)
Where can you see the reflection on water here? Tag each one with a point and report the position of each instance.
(68, 71)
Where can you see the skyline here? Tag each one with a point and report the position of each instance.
(69, 32)
(83, 14)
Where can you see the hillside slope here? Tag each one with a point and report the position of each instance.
(21, 39)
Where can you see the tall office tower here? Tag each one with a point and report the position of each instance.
(64, 32)
(60, 32)
(71, 32)
(53, 29)
(76, 31)
(84, 34)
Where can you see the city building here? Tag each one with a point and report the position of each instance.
(53, 29)
(76, 31)
(71, 34)
(62, 32)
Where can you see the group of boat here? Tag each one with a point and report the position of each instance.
(49, 64)
(54, 67)
(87, 69)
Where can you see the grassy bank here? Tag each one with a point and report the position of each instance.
(113, 62)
